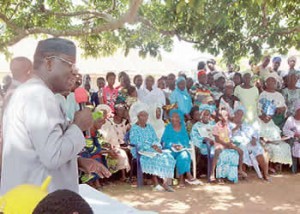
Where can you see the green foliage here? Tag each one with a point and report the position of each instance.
(233, 28)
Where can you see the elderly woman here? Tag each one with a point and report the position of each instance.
(155, 119)
(270, 104)
(228, 100)
(248, 140)
(154, 160)
(176, 139)
(113, 132)
(181, 96)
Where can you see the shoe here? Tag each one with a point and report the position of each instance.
(194, 182)
(170, 189)
(158, 188)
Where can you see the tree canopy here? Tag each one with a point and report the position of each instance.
(233, 28)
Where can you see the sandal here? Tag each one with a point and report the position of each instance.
(193, 182)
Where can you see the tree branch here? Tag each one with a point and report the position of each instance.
(128, 17)
(264, 14)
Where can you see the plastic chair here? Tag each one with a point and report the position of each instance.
(139, 172)
(294, 159)
(193, 157)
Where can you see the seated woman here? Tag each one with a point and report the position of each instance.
(272, 103)
(181, 97)
(154, 160)
(248, 140)
(202, 131)
(94, 150)
(292, 129)
(222, 134)
(114, 131)
(176, 139)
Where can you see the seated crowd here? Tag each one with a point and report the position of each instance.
(235, 120)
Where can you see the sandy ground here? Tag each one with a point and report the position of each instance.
(282, 195)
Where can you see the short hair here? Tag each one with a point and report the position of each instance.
(109, 74)
(63, 201)
(193, 110)
(100, 78)
(18, 69)
(122, 73)
(201, 65)
(171, 74)
(135, 77)
(238, 74)
(150, 76)
(131, 89)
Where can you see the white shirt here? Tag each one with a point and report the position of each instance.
(149, 97)
(68, 104)
(38, 140)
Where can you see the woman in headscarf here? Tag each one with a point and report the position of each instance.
(247, 139)
(228, 100)
(248, 96)
(202, 131)
(181, 96)
(176, 139)
(155, 119)
(271, 103)
(154, 160)
(114, 131)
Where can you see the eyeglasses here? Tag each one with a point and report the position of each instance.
(71, 64)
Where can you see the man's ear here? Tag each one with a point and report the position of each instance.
(48, 65)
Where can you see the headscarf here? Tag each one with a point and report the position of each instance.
(104, 107)
(292, 58)
(206, 107)
(276, 59)
(201, 73)
(272, 75)
(157, 124)
(176, 111)
(218, 75)
(135, 110)
(229, 83)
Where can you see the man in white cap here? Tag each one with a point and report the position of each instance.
(38, 140)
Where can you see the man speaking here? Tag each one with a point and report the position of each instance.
(38, 141)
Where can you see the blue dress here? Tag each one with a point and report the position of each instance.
(162, 164)
(183, 158)
(182, 98)
(199, 131)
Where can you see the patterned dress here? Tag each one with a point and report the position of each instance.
(199, 131)
(279, 151)
(152, 162)
(229, 159)
(290, 128)
(291, 96)
(243, 137)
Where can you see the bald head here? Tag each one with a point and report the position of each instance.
(21, 68)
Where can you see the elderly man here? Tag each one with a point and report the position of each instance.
(38, 140)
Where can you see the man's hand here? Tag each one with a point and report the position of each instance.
(83, 119)
(89, 166)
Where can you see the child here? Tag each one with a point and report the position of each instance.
(63, 201)
(94, 150)
(132, 96)
(222, 134)
(110, 94)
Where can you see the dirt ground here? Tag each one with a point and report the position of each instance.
(282, 195)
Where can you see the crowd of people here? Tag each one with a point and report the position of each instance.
(241, 119)
(234, 119)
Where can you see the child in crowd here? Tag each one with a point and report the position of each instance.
(222, 134)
